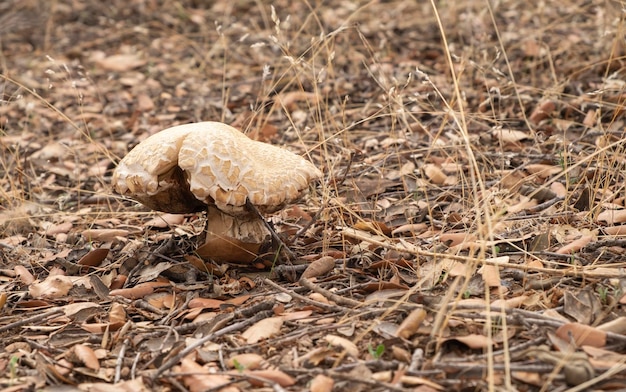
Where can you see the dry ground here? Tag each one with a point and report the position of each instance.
(467, 234)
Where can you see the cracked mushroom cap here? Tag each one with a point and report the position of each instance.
(185, 168)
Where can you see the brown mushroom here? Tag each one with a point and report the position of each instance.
(213, 166)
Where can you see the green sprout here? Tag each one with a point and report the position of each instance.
(376, 353)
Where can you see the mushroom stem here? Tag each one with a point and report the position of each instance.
(279, 244)
(233, 238)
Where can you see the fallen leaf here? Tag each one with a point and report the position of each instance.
(54, 286)
(345, 344)
(86, 356)
(319, 267)
(94, 257)
(246, 361)
(121, 62)
(612, 217)
(474, 341)
(575, 245)
(322, 383)
(582, 335)
(273, 375)
(23, 274)
(263, 329)
(509, 136)
(411, 323)
(197, 378)
(104, 235)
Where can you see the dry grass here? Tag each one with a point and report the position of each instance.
(473, 161)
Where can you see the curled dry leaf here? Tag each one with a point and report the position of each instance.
(72, 309)
(510, 136)
(612, 217)
(454, 239)
(263, 329)
(23, 274)
(542, 111)
(411, 323)
(54, 286)
(617, 325)
(434, 174)
(117, 315)
(583, 335)
(85, 355)
(474, 341)
(164, 221)
(322, 383)
(249, 361)
(491, 275)
(273, 375)
(94, 258)
(345, 344)
(319, 267)
(139, 291)
(197, 378)
(575, 245)
(121, 62)
(615, 230)
(373, 227)
(105, 235)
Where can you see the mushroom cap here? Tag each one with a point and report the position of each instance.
(187, 167)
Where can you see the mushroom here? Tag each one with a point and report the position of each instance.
(213, 166)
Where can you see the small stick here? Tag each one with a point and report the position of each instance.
(25, 321)
(278, 243)
(333, 297)
(226, 330)
(304, 299)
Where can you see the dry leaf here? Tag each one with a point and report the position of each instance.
(321, 383)
(23, 274)
(612, 217)
(263, 329)
(86, 356)
(198, 379)
(582, 335)
(509, 136)
(542, 111)
(542, 170)
(575, 245)
(164, 221)
(117, 315)
(474, 341)
(246, 361)
(454, 239)
(139, 291)
(54, 286)
(94, 258)
(345, 344)
(411, 323)
(434, 174)
(319, 267)
(491, 275)
(273, 375)
(104, 235)
(121, 62)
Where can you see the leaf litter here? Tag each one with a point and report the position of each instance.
(467, 234)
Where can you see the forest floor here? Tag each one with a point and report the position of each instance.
(467, 235)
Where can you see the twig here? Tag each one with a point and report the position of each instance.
(28, 320)
(327, 294)
(120, 362)
(332, 308)
(229, 329)
(280, 244)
